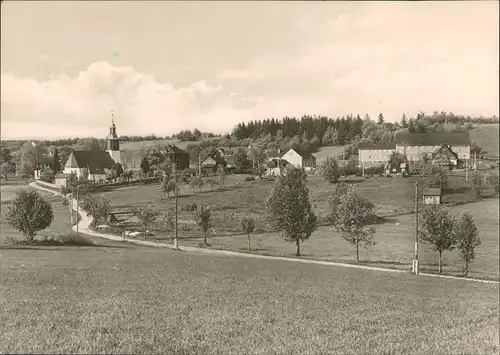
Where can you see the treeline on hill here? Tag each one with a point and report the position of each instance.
(306, 134)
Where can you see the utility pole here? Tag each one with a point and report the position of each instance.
(415, 260)
(466, 170)
(177, 190)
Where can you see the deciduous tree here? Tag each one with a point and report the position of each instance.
(438, 229)
(146, 215)
(221, 172)
(145, 165)
(467, 238)
(353, 218)
(330, 170)
(247, 225)
(287, 208)
(477, 184)
(201, 217)
(29, 213)
(493, 181)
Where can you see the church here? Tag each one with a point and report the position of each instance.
(98, 163)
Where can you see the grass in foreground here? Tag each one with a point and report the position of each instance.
(139, 300)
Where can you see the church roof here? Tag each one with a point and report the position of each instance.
(94, 160)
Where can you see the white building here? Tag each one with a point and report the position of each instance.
(98, 163)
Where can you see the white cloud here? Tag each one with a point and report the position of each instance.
(81, 105)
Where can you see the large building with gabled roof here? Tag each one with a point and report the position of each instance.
(98, 163)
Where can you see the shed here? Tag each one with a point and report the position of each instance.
(62, 179)
(432, 196)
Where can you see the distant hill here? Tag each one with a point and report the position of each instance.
(146, 144)
(486, 136)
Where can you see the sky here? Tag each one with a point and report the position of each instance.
(167, 66)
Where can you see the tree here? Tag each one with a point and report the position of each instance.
(167, 222)
(6, 168)
(196, 181)
(146, 215)
(380, 119)
(167, 167)
(404, 121)
(477, 184)
(164, 186)
(241, 161)
(247, 225)
(436, 176)
(196, 133)
(29, 213)
(211, 182)
(467, 238)
(47, 175)
(287, 208)
(334, 201)
(117, 170)
(85, 174)
(56, 163)
(201, 217)
(493, 181)
(397, 158)
(104, 208)
(145, 165)
(221, 172)
(437, 228)
(353, 218)
(330, 170)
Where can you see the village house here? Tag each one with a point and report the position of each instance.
(179, 157)
(446, 158)
(432, 196)
(277, 161)
(375, 154)
(97, 163)
(211, 162)
(415, 145)
(300, 160)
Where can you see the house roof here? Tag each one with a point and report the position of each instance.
(94, 160)
(171, 148)
(430, 139)
(379, 146)
(436, 191)
(444, 149)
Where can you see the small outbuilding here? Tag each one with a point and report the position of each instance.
(432, 196)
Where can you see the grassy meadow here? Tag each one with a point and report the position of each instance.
(487, 137)
(393, 197)
(129, 299)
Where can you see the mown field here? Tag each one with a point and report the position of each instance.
(394, 236)
(127, 299)
(487, 137)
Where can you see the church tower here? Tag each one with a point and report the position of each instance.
(113, 142)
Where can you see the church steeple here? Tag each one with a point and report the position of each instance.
(112, 140)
